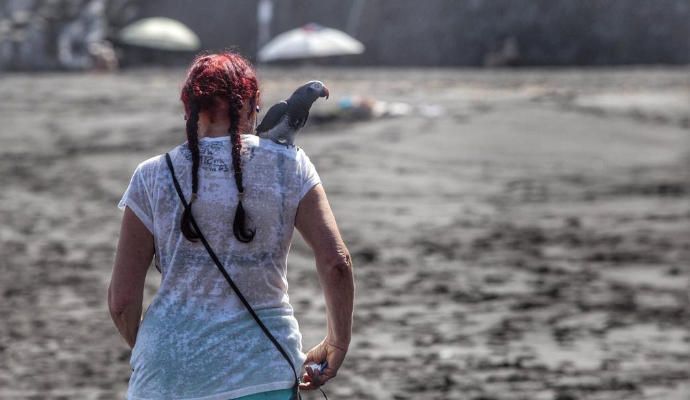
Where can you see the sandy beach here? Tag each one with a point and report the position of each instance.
(520, 234)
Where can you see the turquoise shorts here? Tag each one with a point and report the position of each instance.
(282, 394)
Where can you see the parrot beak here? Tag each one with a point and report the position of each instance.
(324, 92)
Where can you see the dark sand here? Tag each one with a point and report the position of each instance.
(532, 242)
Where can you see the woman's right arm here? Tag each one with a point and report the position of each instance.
(316, 223)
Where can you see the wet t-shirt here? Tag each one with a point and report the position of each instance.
(197, 340)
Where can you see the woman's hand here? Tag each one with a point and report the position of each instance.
(328, 352)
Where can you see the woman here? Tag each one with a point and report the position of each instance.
(196, 339)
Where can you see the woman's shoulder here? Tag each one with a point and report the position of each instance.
(250, 143)
(294, 152)
(149, 168)
(151, 163)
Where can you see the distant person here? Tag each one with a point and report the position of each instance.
(81, 43)
(196, 339)
(507, 55)
(104, 56)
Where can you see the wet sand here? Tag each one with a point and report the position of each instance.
(530, 242)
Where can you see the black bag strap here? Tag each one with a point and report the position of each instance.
(295, 391)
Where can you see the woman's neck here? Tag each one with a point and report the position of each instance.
(218, 126)
(212, 126)
(213, 130)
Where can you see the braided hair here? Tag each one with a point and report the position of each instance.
(213, 78)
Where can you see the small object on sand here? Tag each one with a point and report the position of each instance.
(284, 119)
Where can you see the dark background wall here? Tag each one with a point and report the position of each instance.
(395, 32)
(219, 23)
(462, 32)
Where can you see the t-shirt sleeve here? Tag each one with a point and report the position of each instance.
(137, 198)
(310, 177)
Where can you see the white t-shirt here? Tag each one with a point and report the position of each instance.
(197, 340)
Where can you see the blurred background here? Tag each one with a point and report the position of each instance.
(512, 178)
(35, 33)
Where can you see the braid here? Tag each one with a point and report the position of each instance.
(210, 78)
(239, 225)
(193, 143)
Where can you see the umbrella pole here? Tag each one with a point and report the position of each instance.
(354, 17)
(264, 15)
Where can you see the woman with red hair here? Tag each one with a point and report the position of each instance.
(241, 196)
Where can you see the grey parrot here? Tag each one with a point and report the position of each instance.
(284, 119)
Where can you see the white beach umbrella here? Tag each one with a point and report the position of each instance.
(310, 41)
(160, 33)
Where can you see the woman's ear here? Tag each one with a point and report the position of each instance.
(257, 108)
(253, 105)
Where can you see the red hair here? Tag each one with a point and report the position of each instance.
(227, 76)
(213, 78)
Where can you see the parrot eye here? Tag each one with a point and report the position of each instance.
(316, 86)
